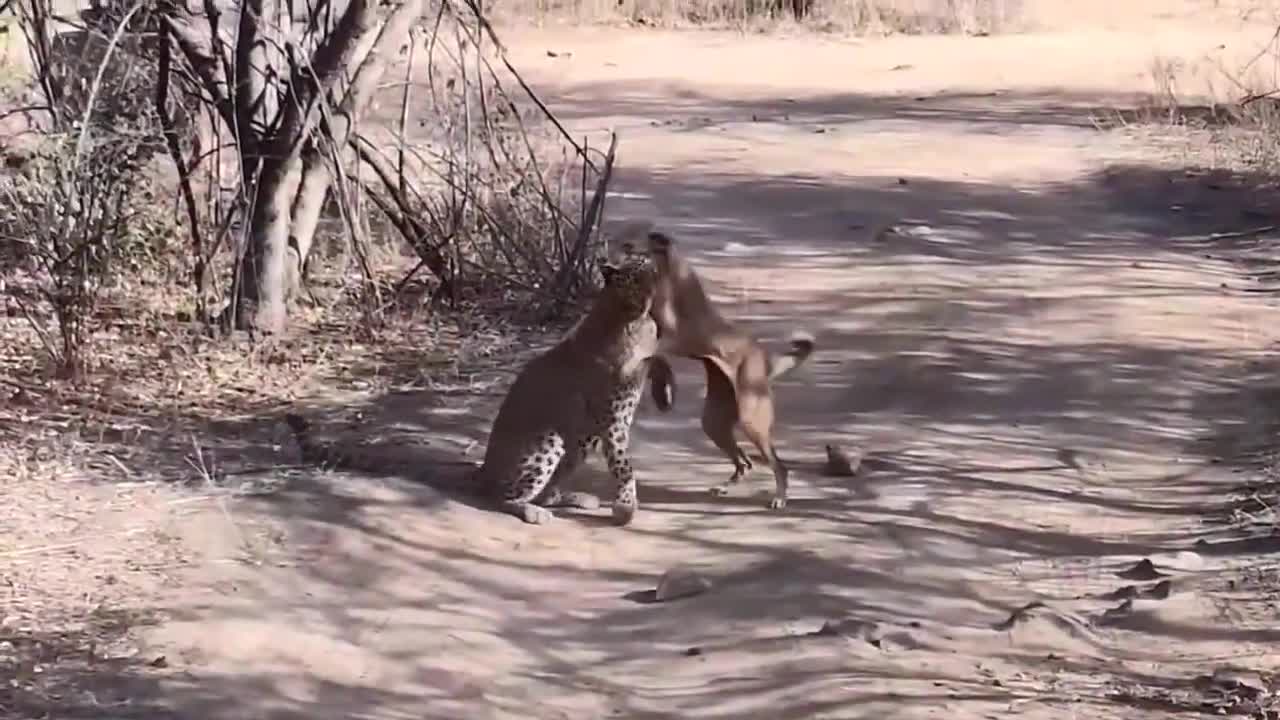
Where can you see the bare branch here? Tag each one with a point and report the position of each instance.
(369, 73)
(201, 64)
(218, 47)
(590, 219)
(431, 254)
(97, 79)
(249, 76)
(310, 83)
(184, 172)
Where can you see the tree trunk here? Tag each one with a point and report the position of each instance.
(261, 302)
(305, 213)
(372, 51)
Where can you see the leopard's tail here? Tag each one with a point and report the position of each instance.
(366, 459)
(801, 349)
(315, 452)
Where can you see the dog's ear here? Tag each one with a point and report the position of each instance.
(608, 271)
(660, 243)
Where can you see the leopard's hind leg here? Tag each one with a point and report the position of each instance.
(555, 496)
(531, 477)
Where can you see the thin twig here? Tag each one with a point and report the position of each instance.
(184, 172)
(97, 82)
(1243, 233)
(588, 226)
(404, 105)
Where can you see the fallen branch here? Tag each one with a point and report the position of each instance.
(1243, 233)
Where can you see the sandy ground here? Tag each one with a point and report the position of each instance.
(1017, 322)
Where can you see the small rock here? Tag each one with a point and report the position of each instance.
(840, 463)
(693, 652)
(1117, 613)
(851, 627)
(160, 661)
(680, 583)
(1186, 561)
(1125, 593)
(1239, 680)
(1159, 591)
(1144, 569)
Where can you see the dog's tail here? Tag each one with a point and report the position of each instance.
(662, 383)
(801, 349)
(371, 459)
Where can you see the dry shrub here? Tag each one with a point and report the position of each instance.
(862, 16)
(76, 220)
(481, 178)
(79, 211)
(1232, 111)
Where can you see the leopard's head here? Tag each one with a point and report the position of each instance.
(656, 245)
(631, 282)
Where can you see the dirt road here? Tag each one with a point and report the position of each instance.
(1016, 321)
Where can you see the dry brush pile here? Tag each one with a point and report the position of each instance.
(199, 164)
(977, 17)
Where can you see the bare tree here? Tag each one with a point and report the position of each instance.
(288, 93)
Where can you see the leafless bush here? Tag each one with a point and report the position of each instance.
(868, 16)
(79, 208)
(470, 188)
(1234, 106)
(78, 214)
(486, 188)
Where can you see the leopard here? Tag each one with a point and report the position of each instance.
(579, 396)
(739, 370)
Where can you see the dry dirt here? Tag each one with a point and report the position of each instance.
(1020, 320)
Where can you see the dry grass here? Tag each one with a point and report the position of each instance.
(102, 475)
(103, 471)
(155, 378)
(873, 17)
(1230, 113)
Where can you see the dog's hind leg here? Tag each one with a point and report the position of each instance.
(755, 415)
(719, 415)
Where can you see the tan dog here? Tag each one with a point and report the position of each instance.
(739, 370)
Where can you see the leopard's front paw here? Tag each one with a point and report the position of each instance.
(530, 513)
(581, 500)
(624, 512)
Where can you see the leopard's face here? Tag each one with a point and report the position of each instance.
(632, 281)
(655, 245)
